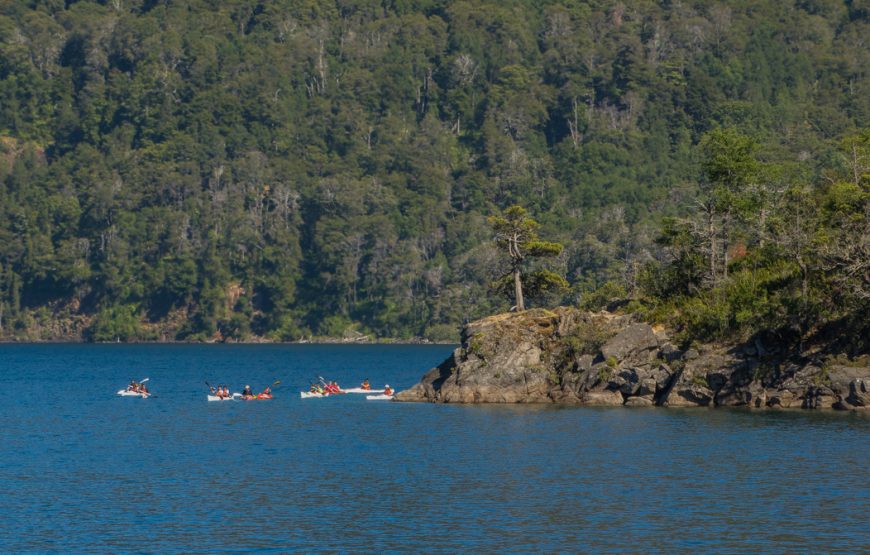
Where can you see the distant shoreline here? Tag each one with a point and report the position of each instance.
(6, 341)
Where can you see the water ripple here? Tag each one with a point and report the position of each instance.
(176, 474)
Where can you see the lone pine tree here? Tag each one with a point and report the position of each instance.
(516, 234)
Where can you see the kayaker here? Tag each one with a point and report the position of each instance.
(226, 391)
(366, 385)
(143, 389)
(267, 392)
(333, 387)
(247, 392)
(388, 390)
(133, 386)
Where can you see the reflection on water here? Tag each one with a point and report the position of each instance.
(84, 470)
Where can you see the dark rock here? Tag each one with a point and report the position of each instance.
(627, 381)
(717, 379)
(759, 347)
(599, 376)
(617, 383)
(859, 393)
(648, 386)
(633, 339)
(663, 375)
(669, 352)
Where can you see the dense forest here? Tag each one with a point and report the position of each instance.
(246, 169)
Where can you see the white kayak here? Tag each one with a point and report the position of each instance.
(128, 393)
(361, 390)
(380, 397)
(232, 397)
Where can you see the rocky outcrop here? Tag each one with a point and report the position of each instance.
(503, 359)
(573, 357)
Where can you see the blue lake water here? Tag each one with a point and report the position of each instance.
(83, 470)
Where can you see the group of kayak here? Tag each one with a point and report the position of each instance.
(324, 388)
(222, 393)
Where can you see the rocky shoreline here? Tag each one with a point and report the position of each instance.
(572, 357)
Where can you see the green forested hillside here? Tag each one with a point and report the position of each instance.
(206, 169)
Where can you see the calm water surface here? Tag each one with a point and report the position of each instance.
(83, 470)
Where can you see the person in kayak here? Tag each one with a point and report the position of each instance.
(366, 385)
(334, 388)
(134, 386)
(226, 391)
(266, 394)
(247, 393)
(388, 390)
(143, 389)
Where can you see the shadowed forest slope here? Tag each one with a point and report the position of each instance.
(216, 169)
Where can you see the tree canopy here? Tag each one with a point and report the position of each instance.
(226, 169)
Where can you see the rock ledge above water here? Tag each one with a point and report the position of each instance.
(569, 356)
